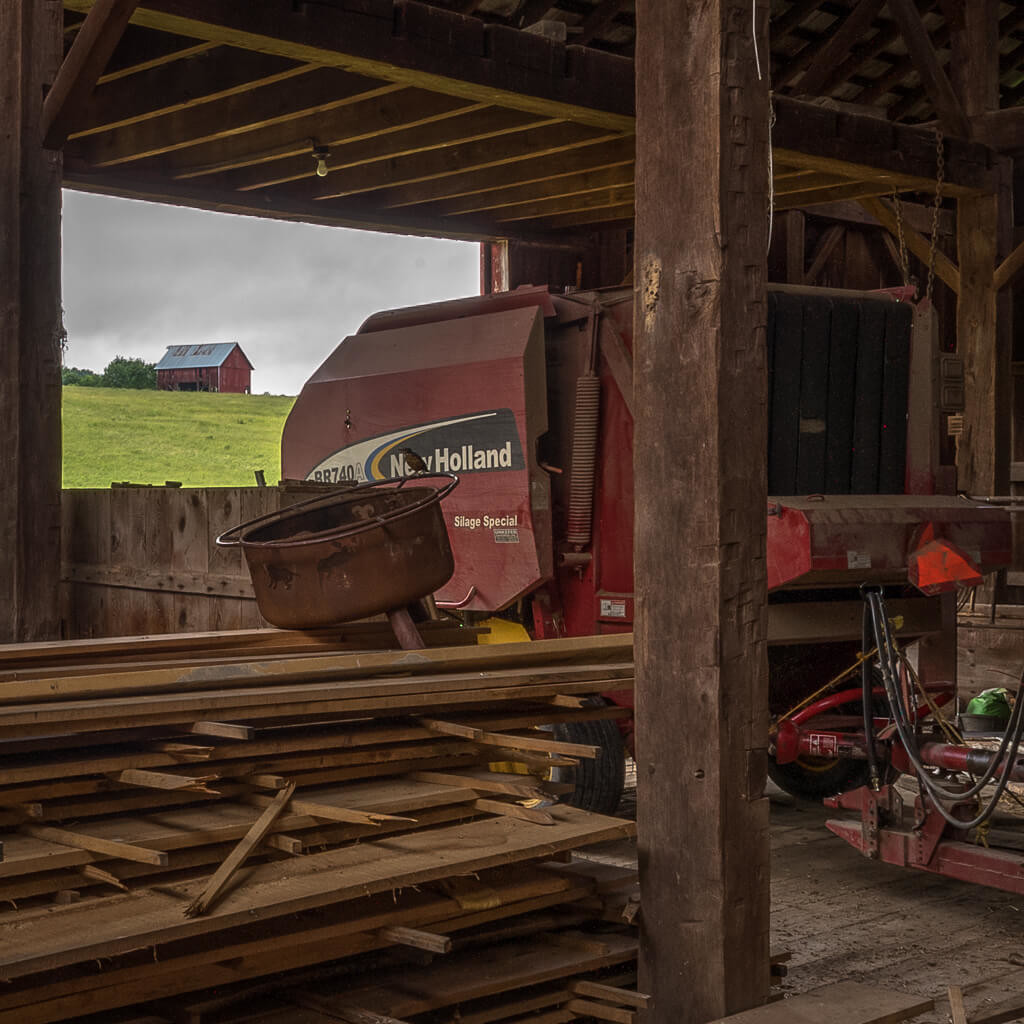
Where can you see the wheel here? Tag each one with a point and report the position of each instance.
(814, 778)
(597, 781)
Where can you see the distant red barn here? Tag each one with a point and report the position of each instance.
(219, 367)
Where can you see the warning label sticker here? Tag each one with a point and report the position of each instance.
(858, 560)
(823, 744)
(613, 608)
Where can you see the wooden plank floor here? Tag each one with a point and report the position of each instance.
(846, 918)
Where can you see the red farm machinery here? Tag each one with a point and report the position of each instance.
(528, 397)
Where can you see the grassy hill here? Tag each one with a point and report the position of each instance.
(148, 437)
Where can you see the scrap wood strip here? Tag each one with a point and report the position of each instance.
(256, 834)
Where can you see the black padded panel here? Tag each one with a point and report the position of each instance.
(839, 370)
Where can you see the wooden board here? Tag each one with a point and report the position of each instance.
(125, 922)
(552, 654)
(480, 973)
(847, 1002)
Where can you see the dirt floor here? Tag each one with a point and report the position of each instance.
(844, 917)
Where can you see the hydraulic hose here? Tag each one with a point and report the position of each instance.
(1011, 738)
(867, 699)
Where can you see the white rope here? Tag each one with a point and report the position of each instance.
(771, 123)
(753, 33)
(771, 174)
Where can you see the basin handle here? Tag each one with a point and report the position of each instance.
(459, 604)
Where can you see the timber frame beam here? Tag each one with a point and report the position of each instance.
(496, 65)
(93, 46)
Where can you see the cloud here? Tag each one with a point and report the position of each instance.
(140, 276)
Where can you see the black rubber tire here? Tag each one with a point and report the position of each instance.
(598, 781)
(814, 783)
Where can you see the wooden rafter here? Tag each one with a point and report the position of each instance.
(415, 155)
(797, 12)
(94, 43)
(1008, 270)
(838, 44)
(826, 245)
(859, 55)
(927, 64)
(832, 194)
(531, 11)
(167, 89)
(477, 156)
(534, 171)
(328, 35)
(254, 121)
(371, 116)
(945, 269)
(597, 199)
(603, 15)
(141, 51)
(561, 187)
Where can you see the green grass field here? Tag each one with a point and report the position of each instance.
(148, 437)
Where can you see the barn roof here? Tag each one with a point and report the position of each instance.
(189, 357)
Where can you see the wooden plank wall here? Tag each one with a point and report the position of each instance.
(143, 559)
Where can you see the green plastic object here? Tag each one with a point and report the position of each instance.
(992, 703)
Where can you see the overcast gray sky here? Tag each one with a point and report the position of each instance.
(140, 276)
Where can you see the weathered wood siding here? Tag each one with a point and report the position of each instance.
(235, 374)
(143, 559)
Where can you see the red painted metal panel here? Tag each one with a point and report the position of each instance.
(468, 395)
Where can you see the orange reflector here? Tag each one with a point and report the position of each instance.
(939, 567)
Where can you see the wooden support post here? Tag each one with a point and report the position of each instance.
(984, 235)
(979, 458)
(974, 67)
(795, 246)
(30, 327)
(700, 471)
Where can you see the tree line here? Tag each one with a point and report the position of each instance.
(120, 372)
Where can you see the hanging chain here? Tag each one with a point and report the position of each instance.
(940, 176)
(904, 259)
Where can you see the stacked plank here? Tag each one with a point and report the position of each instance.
(187, 823)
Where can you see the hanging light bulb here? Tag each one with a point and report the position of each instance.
(320, 154)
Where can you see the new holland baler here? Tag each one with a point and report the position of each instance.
(527, 396)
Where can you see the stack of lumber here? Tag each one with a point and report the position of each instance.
(186, 824)
(220, 647)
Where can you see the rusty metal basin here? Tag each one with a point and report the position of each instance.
(348, 555)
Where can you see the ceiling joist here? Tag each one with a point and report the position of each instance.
(93, 46)
(442, 118)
